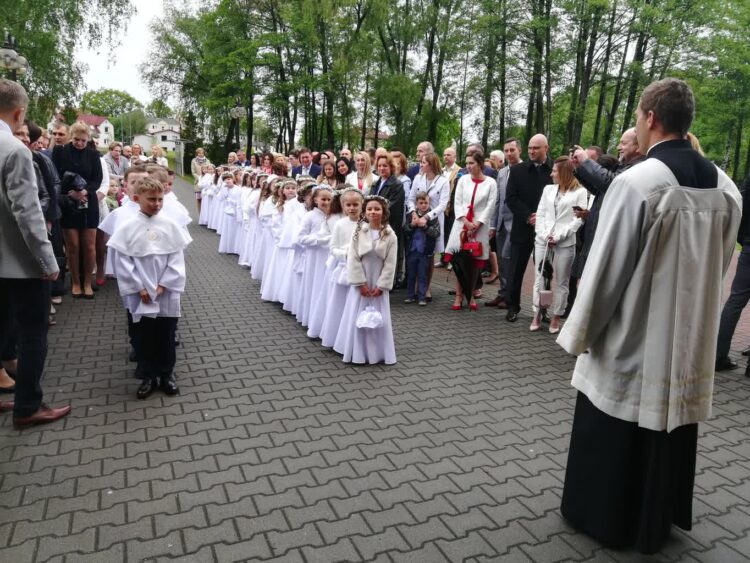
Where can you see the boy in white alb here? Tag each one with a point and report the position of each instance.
(150, 268)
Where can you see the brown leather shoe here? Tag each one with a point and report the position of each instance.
(44, 415)
(6, 406)
(494, 303)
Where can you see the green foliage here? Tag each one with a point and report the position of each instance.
(109, 102)
(128, 125)
(47, 32)
(318, 71)
(159, 108)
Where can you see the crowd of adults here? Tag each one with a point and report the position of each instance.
(545, 206)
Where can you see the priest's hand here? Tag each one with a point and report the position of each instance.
(145, 297)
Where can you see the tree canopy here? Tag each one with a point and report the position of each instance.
(47, 32)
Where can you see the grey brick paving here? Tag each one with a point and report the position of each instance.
(277, 451)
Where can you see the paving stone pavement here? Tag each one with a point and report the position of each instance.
(277, 451)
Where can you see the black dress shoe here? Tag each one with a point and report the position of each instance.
(746, 351)
(147, 387)
(511, 317)
(169, 385)
(725, 364)
(131, 356)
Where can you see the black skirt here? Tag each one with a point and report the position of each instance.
(624, 485)
(79, 219)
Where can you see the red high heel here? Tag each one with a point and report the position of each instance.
(457, 307)
(473, 306)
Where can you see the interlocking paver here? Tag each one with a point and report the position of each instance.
(275, 450)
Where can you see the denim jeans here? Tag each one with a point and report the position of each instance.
(417, 266)
(738, 298)
(24, 315)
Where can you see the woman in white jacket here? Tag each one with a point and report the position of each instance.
(556, 226)
(362, 177)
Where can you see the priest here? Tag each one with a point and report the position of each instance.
(644, 326)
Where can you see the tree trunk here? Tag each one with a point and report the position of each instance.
(617, 97)
(636, 75)
(489, 71)
(364, 111)
(738, 146)
(503, 65)
(605, 76)
(249, 112)
(548, 66)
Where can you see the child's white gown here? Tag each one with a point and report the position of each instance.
(338, 284)
(321, 285)
(366, 345)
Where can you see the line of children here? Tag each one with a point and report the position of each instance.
(324, 267)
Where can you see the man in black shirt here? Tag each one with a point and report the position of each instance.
(526, 183)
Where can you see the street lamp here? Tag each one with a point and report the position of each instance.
(10, 60)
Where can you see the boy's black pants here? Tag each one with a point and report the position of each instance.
(153, 340)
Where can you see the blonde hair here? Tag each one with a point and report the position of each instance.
(568, 181)
(147, 185)
(79, 128)
(159, 150)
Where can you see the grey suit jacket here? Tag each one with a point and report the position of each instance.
(502, 215)
(25, 250)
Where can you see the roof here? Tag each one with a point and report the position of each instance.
(167, 120)
(92, 120)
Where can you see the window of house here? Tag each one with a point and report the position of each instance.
(163, 137)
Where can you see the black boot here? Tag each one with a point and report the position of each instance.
(168, 384)
(147, 387)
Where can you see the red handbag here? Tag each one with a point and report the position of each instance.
(468, 242)
(471, 245)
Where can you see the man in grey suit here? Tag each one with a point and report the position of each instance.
(27, 265)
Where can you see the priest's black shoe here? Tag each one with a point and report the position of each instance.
(511, 317)
(725, 364)
(147, 387)
(169, 385)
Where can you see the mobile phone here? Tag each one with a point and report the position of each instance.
(577, 208)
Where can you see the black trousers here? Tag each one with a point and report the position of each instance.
(24, 316)
(738, 298)
(153, 340)
(519, 259)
